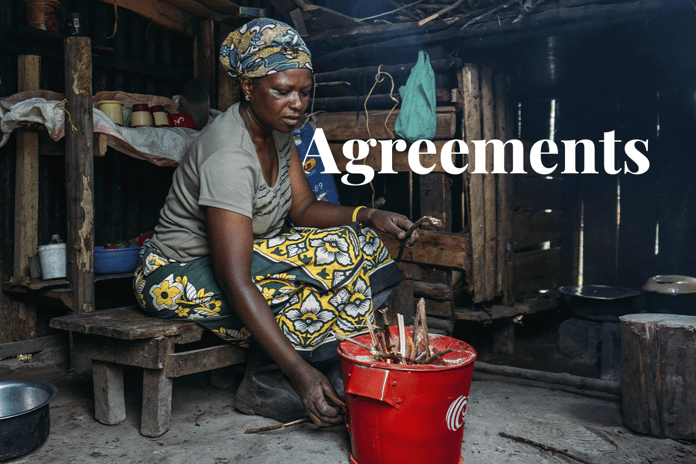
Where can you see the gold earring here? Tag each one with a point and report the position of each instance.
(248, 98)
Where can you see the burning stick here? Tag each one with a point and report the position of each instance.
(402, 337)
(372, 350)
(405, 350)
(385, 328)
(435, 222)
(343, 338)
(372, 332)
(437, 356)
(424, 327)
(416, 340)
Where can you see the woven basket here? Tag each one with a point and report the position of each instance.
(43, 14)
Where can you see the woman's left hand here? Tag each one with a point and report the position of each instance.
(392, 223)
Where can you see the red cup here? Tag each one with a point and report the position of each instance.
(141, 115)
(183, 120)
(160, 116)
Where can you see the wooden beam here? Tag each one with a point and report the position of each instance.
(504, 120)
(284, 7)
(193, 7)
(203, 359)
(159, 12)
(399, 159)
(543, 22)
(434, 248)
(26, 200)
(489, 186)
(228, 86)
(298, 22)
(79, 171)
(434, 291)
(205, 57)
(439, 66)
(470, 89)
(346, 126)
(31, 346)
(223, 6)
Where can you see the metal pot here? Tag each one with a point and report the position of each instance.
(600, 303)
(671, 294)
(24, 416)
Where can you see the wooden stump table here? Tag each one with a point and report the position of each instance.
(658, 374)
(121, 337)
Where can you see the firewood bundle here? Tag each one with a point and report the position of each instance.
(404, 346)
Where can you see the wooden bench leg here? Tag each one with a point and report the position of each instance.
(109, 402)
(157, 402)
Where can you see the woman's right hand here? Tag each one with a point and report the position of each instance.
(318, 396)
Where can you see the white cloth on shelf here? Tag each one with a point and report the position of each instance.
(163, 146)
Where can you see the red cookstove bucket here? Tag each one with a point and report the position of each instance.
(407, 413)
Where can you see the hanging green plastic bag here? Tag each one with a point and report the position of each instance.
(417, 119)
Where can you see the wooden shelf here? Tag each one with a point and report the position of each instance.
(495, 312)
(53, 292)
(39, 284)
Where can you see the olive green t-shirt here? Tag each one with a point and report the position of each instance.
(221, 169)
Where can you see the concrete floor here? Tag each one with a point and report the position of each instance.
(206, 429)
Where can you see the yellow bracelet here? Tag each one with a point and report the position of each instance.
(355, 213)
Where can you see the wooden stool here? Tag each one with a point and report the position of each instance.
(128, 337)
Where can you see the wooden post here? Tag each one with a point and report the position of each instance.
(436, 198)
(26, 200)
(489, 187)
(503, 132)
(205, 57)
(109, 400)
(658, 368)
(79, 167)
(471, 130)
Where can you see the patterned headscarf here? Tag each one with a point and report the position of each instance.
(264, 46)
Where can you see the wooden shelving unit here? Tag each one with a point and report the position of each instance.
(77, 291)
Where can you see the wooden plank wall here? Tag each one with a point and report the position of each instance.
(618, 214)
(537, 211)
(487, 116)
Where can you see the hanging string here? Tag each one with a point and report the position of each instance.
(115, 21)
(62, 102)
(379, 79)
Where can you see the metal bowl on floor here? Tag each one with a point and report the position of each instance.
(600, 303)
(24, 416)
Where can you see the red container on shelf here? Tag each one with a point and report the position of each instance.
(183, 120)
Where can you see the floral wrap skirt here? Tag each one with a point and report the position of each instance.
(317, 282)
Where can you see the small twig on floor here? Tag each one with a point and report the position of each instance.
(544, 447)
(279, 426)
